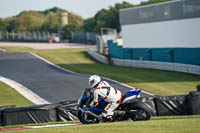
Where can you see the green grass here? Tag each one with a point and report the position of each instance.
(154, 81)
(183, 124)
(9, 96)
(16, 49)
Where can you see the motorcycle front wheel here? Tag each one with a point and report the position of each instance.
(86, 118)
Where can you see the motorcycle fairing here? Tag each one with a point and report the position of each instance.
(131, 95)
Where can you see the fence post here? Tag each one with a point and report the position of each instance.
(43, 35)
(13, 35)
(34, 35)
(6, 35)
(0, 36)
(18, 35)
(88, 36)
(72, 35)
(24, 35)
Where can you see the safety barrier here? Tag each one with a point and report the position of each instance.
(188, 104)
(95, 55)
(63, 111)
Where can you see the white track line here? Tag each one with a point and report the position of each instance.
(39, 57)
(31, 96)
(2, 50)
(48, 126)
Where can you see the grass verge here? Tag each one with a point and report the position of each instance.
(181, 124)
(9, 96)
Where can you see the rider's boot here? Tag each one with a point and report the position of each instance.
(100, 118)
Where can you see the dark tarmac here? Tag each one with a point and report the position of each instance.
(45, 80)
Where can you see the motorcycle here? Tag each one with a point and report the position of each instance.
(129, 109)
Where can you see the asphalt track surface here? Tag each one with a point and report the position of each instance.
(45, 80)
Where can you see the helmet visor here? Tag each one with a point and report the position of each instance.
(91, 83)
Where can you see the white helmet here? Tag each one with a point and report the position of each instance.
(94, 80)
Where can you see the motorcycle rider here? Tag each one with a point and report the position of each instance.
(107, 92)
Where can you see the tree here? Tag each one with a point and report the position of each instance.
(89, 24)
(51, 22)
(47, 20)
(10, 23)
(54, 10)
(75, 19)
(151, 2)
(29, 21)
(2, 25)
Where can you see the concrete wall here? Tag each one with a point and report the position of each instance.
(176, 33)
(192, 69)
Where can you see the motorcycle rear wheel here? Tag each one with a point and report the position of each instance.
(140, 112)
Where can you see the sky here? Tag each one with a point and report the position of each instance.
(84, 8)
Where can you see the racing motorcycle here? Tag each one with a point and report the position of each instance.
(129, 109)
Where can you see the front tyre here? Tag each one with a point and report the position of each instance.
(86, 118)
(140, 112)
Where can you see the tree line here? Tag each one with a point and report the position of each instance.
(49, 20)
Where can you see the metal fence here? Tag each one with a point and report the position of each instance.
(27, 36)
(84, 37)
(77, 37)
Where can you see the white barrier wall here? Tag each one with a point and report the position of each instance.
(174, 33)
(177, 67)
(97, 56)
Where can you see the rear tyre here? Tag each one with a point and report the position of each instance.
(140, 112)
